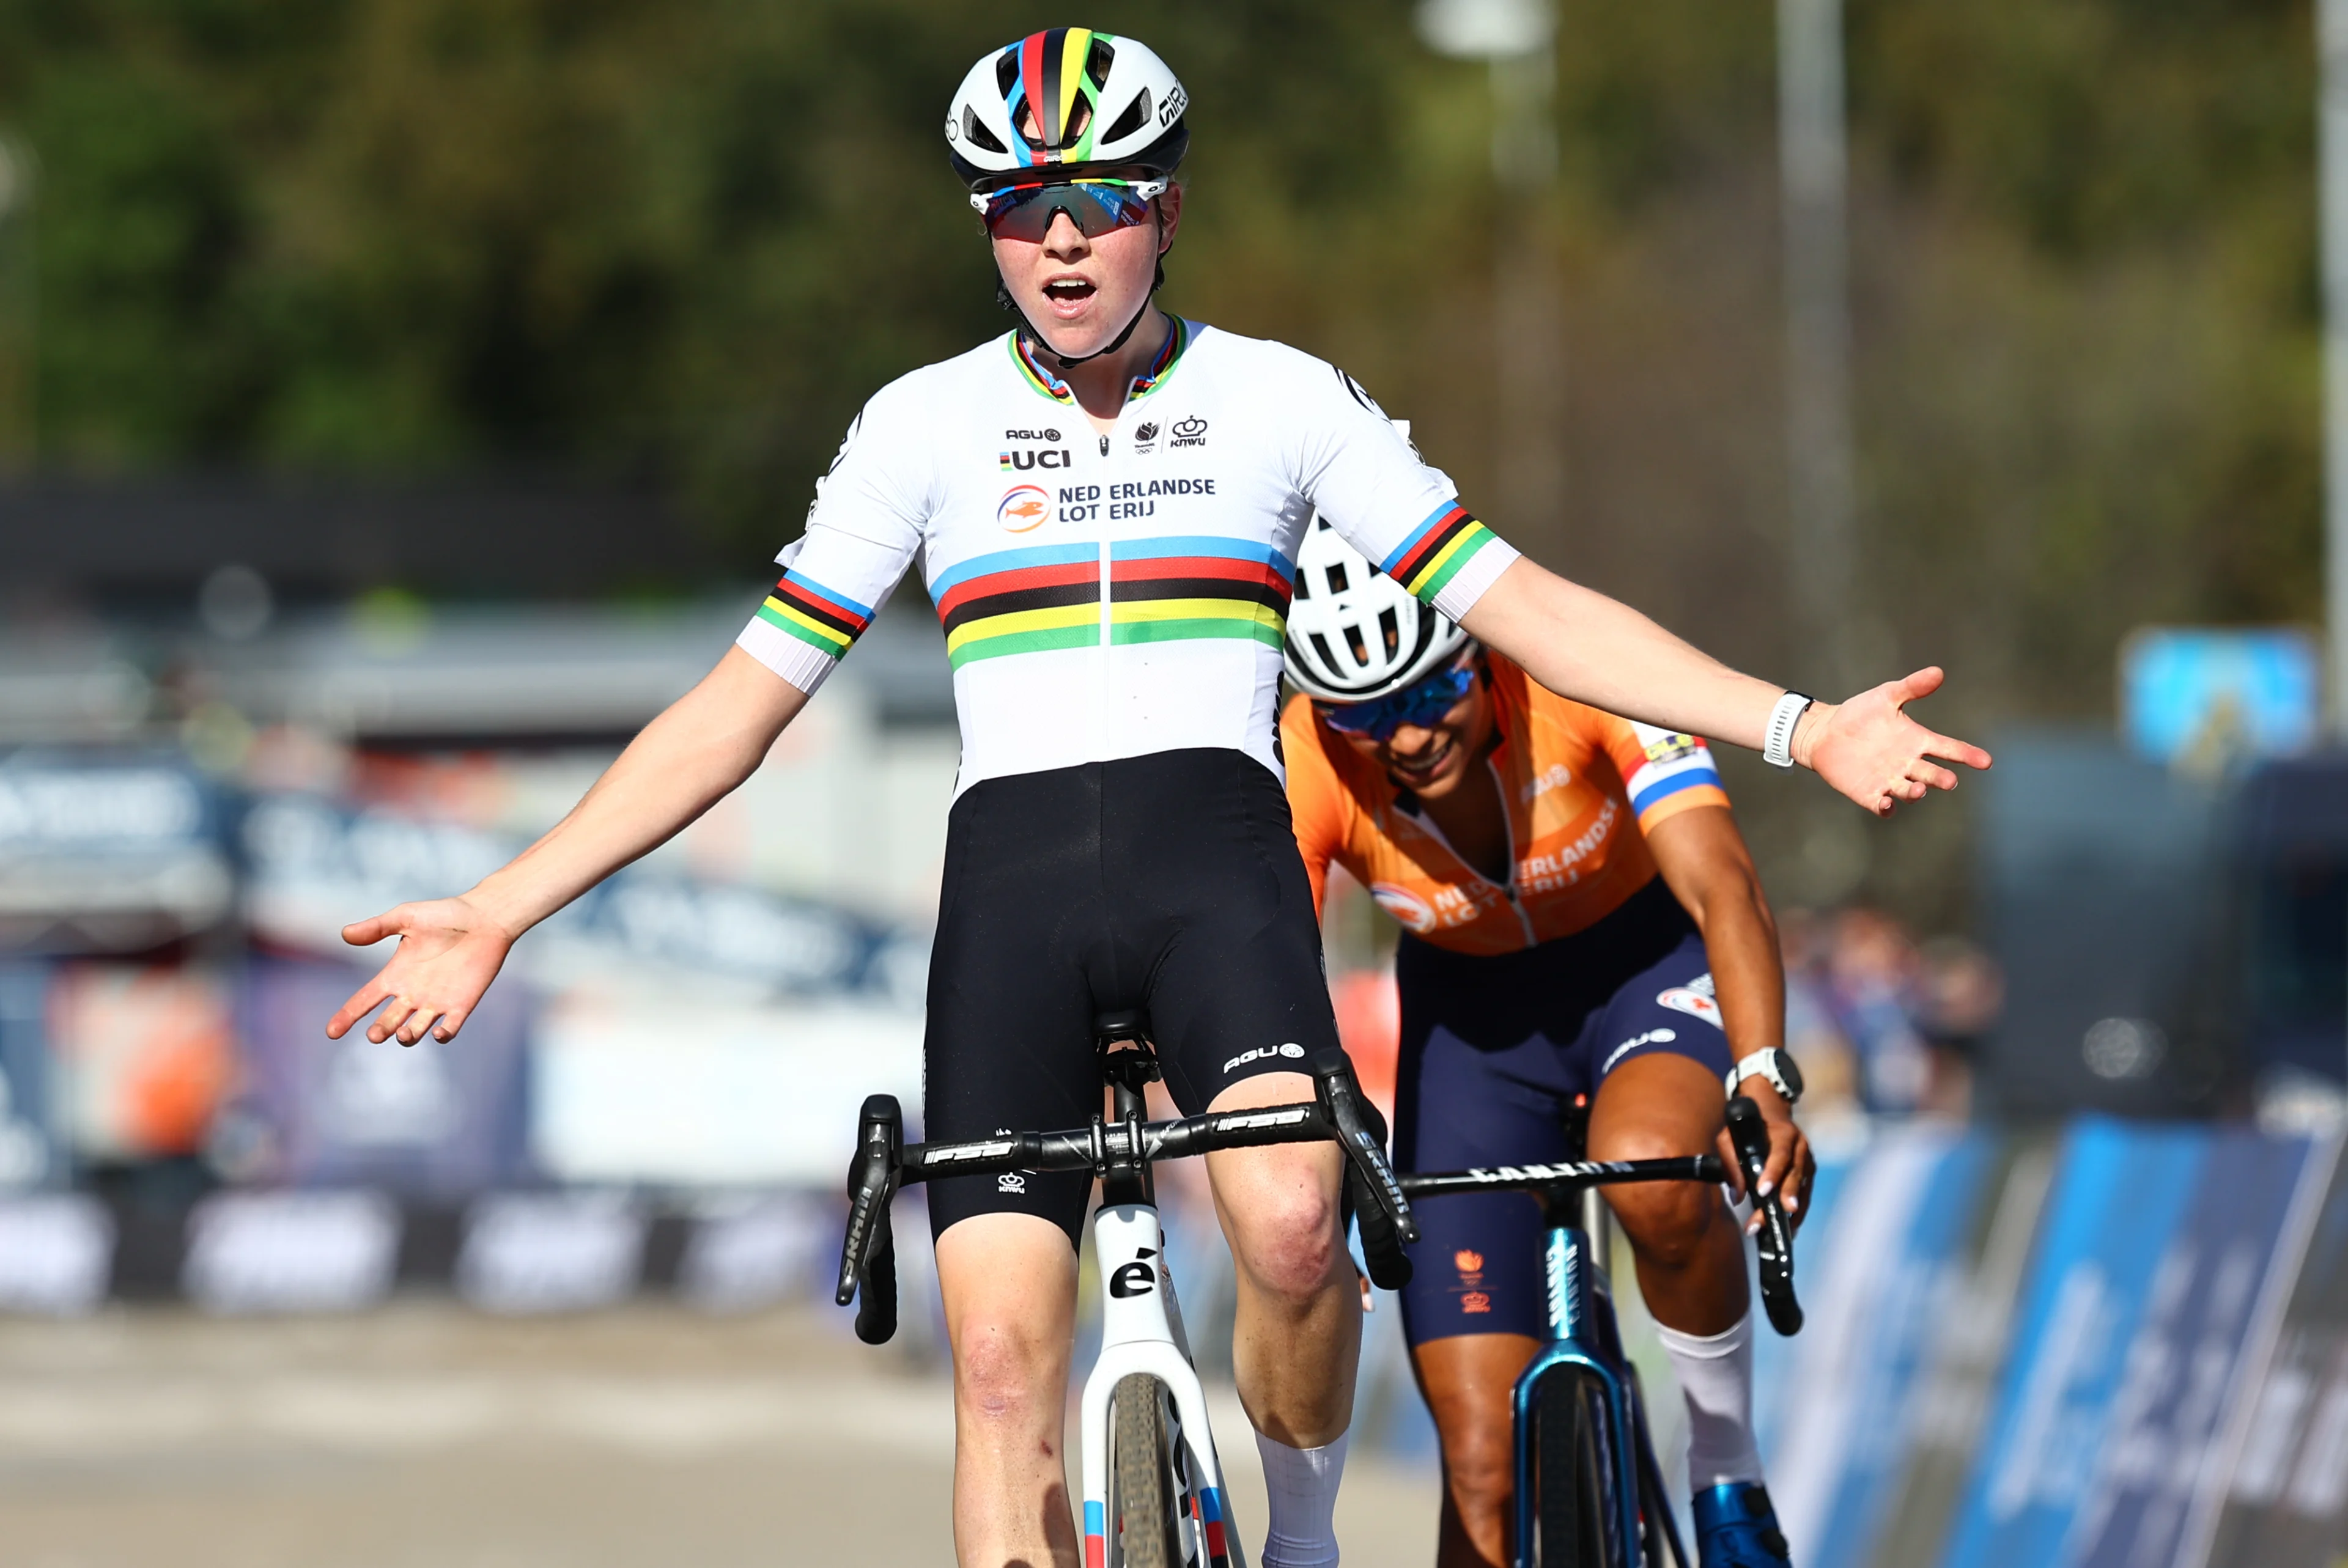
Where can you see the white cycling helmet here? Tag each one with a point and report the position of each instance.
(1064, 100)
(1354, 634)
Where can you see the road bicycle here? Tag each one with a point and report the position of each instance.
(1153, 1489)
(1588, 1492)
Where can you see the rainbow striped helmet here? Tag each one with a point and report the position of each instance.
(1066, 99)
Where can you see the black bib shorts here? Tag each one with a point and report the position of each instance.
(1169, 882)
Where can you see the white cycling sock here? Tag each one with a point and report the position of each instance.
(1715, 1375)
(1302, 1484)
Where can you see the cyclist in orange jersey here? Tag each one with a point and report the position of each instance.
(1581, 917)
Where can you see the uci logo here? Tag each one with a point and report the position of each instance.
(1011, 457)
(1135, 1278)
(1024, 508)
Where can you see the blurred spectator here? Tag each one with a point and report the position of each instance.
(1829, 1067)
(1961, 993)
(1871, 973)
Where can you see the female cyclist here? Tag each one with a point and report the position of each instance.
(1580, 920)
(1105, 503)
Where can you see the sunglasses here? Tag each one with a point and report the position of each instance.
(1094, 206)
(1423, 704)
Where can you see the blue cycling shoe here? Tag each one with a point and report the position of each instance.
(1736, 1527)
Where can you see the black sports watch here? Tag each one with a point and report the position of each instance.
(1774, 1064)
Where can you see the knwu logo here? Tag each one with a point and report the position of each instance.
(1191, 432)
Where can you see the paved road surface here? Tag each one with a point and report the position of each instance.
(428, 1436)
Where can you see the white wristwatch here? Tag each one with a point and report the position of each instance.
(1778, 744)
(1775, 1065)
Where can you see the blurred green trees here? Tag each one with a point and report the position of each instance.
(680, 242)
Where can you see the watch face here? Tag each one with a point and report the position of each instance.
(1791, 1073)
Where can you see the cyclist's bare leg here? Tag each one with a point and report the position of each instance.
(1468, 1378)
(1690, 1255)
(1297, 1338)
(1010, 1288)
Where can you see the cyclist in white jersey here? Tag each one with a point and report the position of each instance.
(1104, 505)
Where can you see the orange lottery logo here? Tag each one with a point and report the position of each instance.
(1024, 508)
(1468, 1262)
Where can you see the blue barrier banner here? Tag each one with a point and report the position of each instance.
(2121, 1194)
(424, 1120)
(2181, 1374)
(1775, 1359)
(1881, 1282)
(2287, 1487)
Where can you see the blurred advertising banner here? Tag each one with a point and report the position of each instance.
(754, 1252)
(291, 1252)
(314, 865)
(1885, 1280)
(2160, 1249)
(30, 1155)
(2287, 1503)
(109, 855)
(2208, 695)
(56, 1253)
(550, 1252)
(663, 1087)
(144, 1056)
(422, 1120)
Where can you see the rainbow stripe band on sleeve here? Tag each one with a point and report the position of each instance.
(818, 616)
(1437, 549)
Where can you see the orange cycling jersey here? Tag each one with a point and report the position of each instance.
(1571, 779)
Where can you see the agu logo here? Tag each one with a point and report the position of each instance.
(1024, 508)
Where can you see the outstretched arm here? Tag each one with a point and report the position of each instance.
(703, 745)
(1581, 644)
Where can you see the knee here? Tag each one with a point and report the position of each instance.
(1003, 1374)
(1287, 1239)
(1478, 1464)
(1667, 1221)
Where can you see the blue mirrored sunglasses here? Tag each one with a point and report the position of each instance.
(1422, 704)
(1095, 206)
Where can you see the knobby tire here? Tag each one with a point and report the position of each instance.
(1141, 1476)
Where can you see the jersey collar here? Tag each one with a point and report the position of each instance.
(1170, 353)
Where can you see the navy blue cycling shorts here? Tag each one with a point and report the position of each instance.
(1494, 1049)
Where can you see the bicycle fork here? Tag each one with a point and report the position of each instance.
(1141, 1331)
(1574, 1324)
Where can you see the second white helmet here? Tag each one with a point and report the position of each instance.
(1355, 634)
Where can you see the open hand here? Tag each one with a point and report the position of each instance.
(1871, 751)
(448, 953)
(1791, 1164)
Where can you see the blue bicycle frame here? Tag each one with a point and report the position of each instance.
(1586, 1343)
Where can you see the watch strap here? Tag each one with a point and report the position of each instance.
(1777, 747)
(1762, 1063)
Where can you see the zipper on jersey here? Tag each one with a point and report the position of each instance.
(1508, 821)
(1508, 824)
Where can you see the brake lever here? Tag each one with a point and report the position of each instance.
(1380, 1206)
(868, 1253)
(1749, 1132)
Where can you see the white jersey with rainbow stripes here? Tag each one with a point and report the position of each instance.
(1111, 596)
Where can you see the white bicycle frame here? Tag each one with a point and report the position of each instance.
(1141, 1332)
